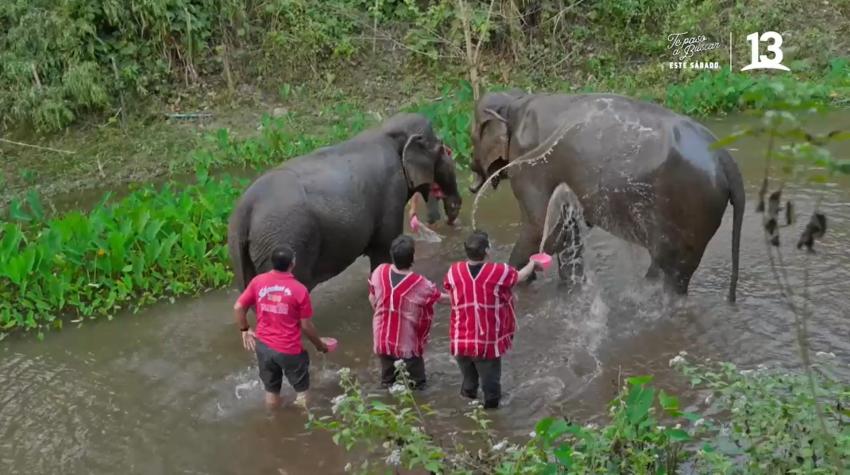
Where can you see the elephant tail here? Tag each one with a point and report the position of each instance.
(240, 254)
(738, 198)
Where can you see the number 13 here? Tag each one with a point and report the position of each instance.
(774, 41)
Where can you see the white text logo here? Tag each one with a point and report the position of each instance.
(763, 61)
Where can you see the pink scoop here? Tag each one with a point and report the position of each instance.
(545, 260)
(330, 343)
(414, 223)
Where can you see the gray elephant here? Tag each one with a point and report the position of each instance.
(340, 202)
(640, 171)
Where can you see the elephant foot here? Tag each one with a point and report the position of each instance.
(678, 287)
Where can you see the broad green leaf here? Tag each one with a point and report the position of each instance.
(564, 453)
(639, 380)
(669, 403)
(677, 435)
(638, 403)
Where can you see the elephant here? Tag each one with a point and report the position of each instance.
(640, 171)
(340, 202)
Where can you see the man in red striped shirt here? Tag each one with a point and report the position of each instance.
(404, 308)
(482, 322)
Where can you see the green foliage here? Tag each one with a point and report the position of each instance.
(769, 425)
(452, 119)
(62, 59)
(150, 245)
(59, 59)
(306, 31)
(773, 423)
(722, 91)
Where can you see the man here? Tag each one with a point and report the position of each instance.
(403, 302)
(482, 322)
(283, 309)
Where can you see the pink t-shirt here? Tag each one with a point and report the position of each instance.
(280, 302)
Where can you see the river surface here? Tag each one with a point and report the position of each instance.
(170, 389)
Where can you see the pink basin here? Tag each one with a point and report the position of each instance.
(545, 260)
(330, 342)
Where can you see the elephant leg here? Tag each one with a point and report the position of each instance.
(678, 266)
(571, 258)
(527, 244)
(378, 255)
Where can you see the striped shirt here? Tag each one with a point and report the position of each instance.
(482, 322)
(403, 312)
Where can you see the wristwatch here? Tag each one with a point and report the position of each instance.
(244, 329)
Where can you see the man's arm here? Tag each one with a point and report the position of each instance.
(526, 271)
(312, 335)
(240, 314)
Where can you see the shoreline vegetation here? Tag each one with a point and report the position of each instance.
(133, 90)
(166, 88)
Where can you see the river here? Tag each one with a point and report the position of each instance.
(170, 389)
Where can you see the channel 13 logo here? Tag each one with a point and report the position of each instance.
(763, 61)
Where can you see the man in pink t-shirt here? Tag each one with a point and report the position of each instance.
(283, 309)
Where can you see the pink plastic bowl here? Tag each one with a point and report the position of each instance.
(414, 224)
(330, 342)
(545, 260)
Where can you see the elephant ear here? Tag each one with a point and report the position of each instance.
(493, 138)
(417, 164)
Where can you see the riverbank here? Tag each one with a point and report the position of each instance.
(157, 145)
(319, 63)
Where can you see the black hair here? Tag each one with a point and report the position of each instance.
(401, 252)
(476, 245)
(282, 258)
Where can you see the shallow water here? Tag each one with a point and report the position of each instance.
(170, 390)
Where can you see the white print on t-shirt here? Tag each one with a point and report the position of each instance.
(279, 308)
(275, 288)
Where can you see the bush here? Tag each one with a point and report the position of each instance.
(63, 58)
(768, 424)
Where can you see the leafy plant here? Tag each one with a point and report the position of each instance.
(773, 422)
(397, 433)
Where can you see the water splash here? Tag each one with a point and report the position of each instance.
(563, 232)
(426, 234)
(237, 391)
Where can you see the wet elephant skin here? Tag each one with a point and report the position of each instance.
(640, 171)
(340, 202)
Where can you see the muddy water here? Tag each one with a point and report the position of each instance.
(169, 390)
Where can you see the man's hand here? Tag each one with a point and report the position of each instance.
(248, 340)
(321, 347)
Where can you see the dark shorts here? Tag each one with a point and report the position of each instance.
(487, 373)
(274, 365)
(415, 368)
